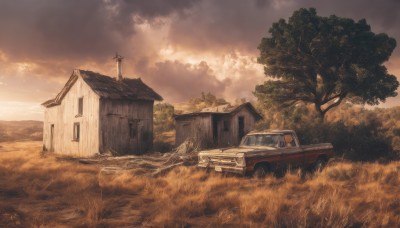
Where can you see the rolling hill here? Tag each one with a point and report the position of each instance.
(25, 130)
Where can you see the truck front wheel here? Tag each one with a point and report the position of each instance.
(319, 164)
(260, 171)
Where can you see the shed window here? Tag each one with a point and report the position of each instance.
(77, 130)
(80, 106)
(226, 125)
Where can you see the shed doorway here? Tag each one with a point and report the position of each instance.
(134, 137)
(241, 128)
(215, 130)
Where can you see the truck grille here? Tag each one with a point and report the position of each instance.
(223, 162)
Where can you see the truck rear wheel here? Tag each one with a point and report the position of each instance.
(260, 171)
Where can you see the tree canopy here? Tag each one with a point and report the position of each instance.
(204, 101)
(325, 61)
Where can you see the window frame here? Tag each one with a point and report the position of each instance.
(76, 133)
(133, 129)
(80, 106)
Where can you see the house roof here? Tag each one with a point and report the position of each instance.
(221, 110)
(108, 87)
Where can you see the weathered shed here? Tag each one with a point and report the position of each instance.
(95, 113)
(217, 127)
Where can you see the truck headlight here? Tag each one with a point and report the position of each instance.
(240, 159)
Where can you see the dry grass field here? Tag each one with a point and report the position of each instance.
(46, 191)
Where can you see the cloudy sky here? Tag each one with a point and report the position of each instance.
(178, 47)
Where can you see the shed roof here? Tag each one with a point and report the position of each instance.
(228, 110)
(108, 87)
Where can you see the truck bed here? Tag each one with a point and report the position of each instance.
(320, 146)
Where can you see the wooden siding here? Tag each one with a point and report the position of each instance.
(224, 137)
(230, 137)
(249, 124)
(64, 116)
(199, 127)
(115, 119)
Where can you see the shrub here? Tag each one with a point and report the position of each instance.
(362, 142)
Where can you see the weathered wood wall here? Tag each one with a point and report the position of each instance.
(199, 127)
(115, 117)
(249, 124)
(224, 137)
(64, 116)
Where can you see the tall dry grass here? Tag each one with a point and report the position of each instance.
(47, 191)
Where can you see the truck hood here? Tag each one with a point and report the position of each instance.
(233, 151)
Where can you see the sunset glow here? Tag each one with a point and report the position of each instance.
(180, 49)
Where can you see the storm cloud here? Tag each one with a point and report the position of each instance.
(179, 47)
(90, 29)
(180, 81)
(234, 24)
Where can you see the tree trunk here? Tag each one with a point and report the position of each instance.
(322, 117)
(321, 113)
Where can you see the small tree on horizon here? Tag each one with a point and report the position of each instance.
(205, 100)
(324, 61)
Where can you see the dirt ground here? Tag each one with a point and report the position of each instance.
(39, 190)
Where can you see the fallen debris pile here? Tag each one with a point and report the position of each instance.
(152, 164)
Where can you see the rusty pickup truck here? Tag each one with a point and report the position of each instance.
(265, 151)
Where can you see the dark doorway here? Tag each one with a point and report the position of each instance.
(52, 138)
(241, 128)
(215, 129)
(134, 137)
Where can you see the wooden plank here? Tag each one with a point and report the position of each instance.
(63, 117)
(115, 117)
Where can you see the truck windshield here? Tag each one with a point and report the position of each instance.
(271, 140)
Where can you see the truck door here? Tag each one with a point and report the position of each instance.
(292, 154)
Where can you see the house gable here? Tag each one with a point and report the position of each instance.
(251, 109)
(57, 100)
(72, 126)
(107, 87)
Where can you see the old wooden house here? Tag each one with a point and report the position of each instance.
(217, 127)
(95, 113)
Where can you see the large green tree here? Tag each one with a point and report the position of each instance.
(325, 61)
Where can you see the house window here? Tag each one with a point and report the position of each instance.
(133, 128)
(77, 132)
(80, 106)
(226, 125)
